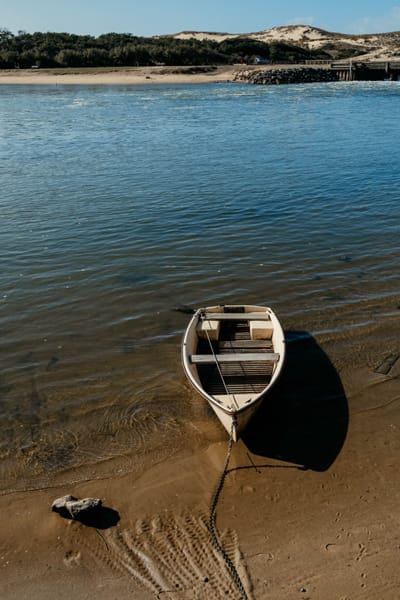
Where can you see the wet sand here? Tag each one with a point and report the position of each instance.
(309, 508)
(119, 76)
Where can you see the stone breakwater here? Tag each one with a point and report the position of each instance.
(293, 75)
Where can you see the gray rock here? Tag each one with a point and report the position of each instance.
(70, 507)
(286, 75)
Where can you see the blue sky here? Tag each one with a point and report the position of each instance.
(154, 17)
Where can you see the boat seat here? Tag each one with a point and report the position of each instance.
(240, 345)
(234, 357)
(261, 330)
(208, 329)
(254, 316)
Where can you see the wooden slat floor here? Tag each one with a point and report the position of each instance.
(239, 377)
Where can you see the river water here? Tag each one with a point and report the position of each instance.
(122, 208)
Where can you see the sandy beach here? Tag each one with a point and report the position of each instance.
(119, 76)
(309, 509)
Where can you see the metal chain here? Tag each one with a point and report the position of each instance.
(212, 525)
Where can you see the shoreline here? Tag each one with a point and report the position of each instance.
(269, 74)
(120, 76)
(293, 531)
(140, 75)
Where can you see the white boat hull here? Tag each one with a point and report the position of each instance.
(232, 355)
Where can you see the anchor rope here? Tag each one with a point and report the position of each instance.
(204, 318)
(212, 525)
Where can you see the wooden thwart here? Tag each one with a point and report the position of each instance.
(244, 344)
(234, 357)
(254, 316)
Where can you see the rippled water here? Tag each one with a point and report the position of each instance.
(121, 204)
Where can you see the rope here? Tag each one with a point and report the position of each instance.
(212, 525)
(203, 318)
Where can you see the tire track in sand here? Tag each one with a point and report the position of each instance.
(171, 556)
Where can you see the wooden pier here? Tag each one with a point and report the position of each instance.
(367, 71)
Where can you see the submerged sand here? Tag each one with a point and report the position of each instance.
(309, 508)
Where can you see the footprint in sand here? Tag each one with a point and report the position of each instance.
(72, 558)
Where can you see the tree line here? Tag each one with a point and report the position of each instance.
(52, 50)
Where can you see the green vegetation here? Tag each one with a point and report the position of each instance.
(43, 50)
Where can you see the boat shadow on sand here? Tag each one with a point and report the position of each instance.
(304, 419)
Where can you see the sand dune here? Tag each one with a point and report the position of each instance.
(379, 45)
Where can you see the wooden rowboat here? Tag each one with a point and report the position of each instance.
(232, 355)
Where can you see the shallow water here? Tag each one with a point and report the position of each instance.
(120, 205)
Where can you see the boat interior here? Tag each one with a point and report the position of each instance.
(235, 357)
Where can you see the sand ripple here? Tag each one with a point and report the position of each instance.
(171, 556)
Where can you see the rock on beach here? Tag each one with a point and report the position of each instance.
(70, 507)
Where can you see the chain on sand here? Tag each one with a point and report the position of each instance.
(212, 526)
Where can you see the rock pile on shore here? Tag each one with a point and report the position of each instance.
(291, 75)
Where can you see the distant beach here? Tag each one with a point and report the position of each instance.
(119, 76)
